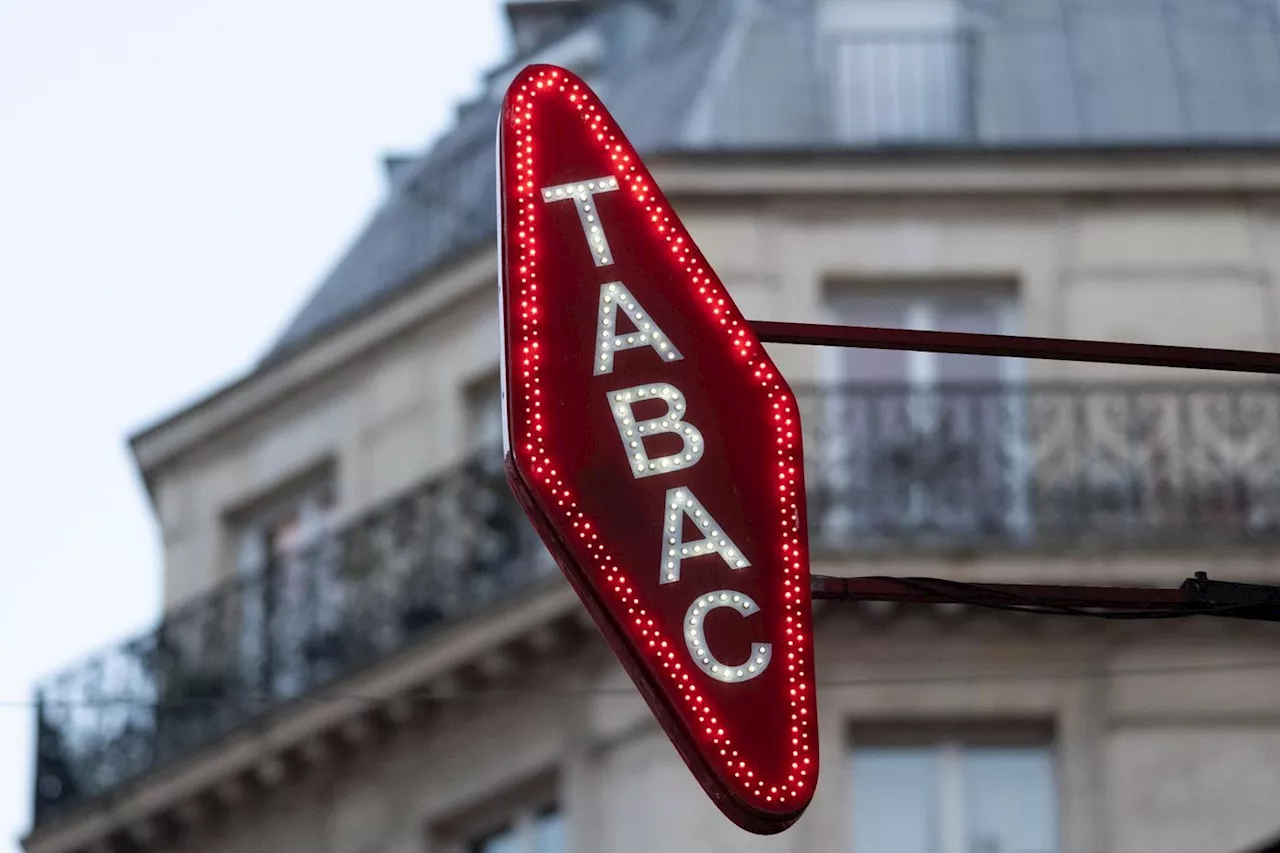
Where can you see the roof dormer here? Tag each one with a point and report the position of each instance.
(535, 22)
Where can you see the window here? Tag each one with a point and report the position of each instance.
(292, 595)
(951, 308)
(918, 444)
(284, 528)
(898, 70)
(524, 817)
(530, 832)
(483, 405)
(581, 50)
(954, 796)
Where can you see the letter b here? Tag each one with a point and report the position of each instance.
(633, 432)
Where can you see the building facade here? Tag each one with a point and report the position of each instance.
(366, 650)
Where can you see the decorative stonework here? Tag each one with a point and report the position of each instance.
(356, 730)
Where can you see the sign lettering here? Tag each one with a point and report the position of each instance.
(645, 334)
(633, 431)
(637, 337)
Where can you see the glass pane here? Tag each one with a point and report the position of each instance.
(484, 415)
(549, 832)
(975, 316)
(1010, 804)
(502, 841)
(895, 800)
(856, 426)
(315, 510)
(285, 534)
(906, 85)
(973, 425)
(251, 556)
(871, 365)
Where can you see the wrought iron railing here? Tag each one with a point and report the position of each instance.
(888, 469)
(447, 550)
(1046, 467)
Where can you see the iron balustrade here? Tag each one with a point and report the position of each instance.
(1045, 467)
(889, 468)
(445, 551)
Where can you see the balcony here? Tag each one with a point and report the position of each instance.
(978, 468)
(445, 551)
(1046, 468)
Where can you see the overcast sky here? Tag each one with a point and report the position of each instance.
(174, 179)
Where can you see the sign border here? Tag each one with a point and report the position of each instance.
(759, 805)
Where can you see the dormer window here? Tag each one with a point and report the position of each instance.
(898, 71)
(544, 31)
(535, 22)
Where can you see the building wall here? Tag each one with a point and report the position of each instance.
(1163, 740)
(385, 424)
(1160, 270)
(1172, 756)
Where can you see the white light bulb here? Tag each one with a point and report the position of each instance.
(702, 656)
(689, 505)
(581, 194)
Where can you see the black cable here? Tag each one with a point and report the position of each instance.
(1021, 603)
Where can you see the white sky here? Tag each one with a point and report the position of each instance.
(174, 179)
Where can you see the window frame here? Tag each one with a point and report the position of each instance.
(517, 806)
(920, 299)
(948, 742)
(523, 823)
(272, 582)
(882, 30)
(483, 410)
(313, 493)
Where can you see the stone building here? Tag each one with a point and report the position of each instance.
(365, 650)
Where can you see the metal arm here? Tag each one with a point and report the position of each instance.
(1198, 596)
(1057, 349)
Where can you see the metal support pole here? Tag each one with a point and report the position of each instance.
(1198, 596)
(1057, 349)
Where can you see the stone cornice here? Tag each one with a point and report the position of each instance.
(723, 177)
(301, 738)
(490, 650)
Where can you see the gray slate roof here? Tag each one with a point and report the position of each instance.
(755, 75)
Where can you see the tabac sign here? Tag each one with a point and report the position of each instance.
(657, 449)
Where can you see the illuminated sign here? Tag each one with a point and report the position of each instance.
(657, 449)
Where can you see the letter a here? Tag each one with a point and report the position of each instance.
(680, 503)
(647, 333)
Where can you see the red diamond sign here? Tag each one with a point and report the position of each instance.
(657, 449)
